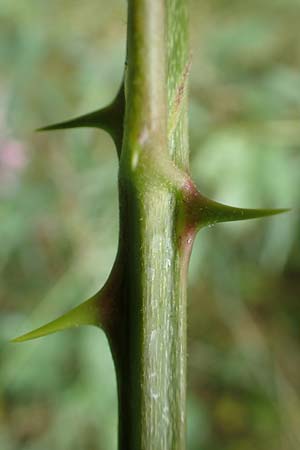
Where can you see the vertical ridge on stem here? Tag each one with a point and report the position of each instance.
(146, 112)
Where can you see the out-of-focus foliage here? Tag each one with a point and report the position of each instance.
(58, 227)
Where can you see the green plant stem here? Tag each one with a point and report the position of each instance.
(149, 338)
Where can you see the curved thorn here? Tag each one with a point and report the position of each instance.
(211, 212)
(86, 313)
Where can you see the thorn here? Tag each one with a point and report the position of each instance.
(110, 119)
(95, 119)
(210, 212)
(85, 314)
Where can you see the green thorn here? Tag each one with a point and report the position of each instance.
(210, 212)
(95, 119)
(85, 314)
(109, 119)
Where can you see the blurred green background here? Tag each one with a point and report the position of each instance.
(58, 223)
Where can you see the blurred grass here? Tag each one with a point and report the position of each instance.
(58, 223)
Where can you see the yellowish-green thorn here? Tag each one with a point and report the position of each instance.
(85, 314)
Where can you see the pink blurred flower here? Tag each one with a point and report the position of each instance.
(13, 160)
(12, 156)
